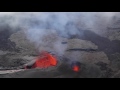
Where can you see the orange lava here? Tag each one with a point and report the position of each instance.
(76, 68)
(45, 60)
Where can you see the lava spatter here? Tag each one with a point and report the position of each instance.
(75, 66)
(45, 60)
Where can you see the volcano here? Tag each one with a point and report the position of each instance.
(45, 60)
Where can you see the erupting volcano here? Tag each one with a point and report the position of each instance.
(45, 60)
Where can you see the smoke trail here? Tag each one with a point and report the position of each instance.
(42, 28)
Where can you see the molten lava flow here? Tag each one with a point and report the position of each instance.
(76, 68)
(45, 60)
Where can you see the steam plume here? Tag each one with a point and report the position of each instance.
(42, 24)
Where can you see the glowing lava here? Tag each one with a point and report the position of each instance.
(76, 68)
(45, 60)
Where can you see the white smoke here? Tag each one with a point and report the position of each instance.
(41, 24)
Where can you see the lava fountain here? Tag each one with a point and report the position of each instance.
(45, 60)
(75, 66)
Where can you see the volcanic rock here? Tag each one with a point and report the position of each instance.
(80, 44)
(22, 43)
(87, 57)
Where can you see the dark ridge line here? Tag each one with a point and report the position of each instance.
(78, 49)
(114, 28)
(64, 42)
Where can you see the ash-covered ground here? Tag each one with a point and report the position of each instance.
(99, 55)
